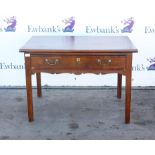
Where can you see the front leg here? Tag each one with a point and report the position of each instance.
(128, 89)
(29, 86)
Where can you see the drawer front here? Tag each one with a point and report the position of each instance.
(78, 62)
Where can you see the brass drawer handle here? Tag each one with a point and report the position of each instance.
(104, 62)
(52, 61)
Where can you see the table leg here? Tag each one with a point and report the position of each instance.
(119, 85)
(38, 78)
(29, 87)
(128, 89)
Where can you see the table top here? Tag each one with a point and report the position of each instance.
(79, 44)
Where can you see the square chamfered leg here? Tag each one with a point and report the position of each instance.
(128, 88)
(119, 85)
(29, 86)
(38, 78)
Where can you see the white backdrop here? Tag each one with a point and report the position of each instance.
(93, 17)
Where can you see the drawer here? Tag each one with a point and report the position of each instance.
(78, 62)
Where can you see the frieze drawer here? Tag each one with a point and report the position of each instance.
(78, 62)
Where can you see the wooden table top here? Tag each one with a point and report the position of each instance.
(79, 44)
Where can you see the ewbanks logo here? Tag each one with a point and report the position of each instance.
(113, 29)
(152, 63)
(11, 66)
(8, 24)
(67, 22)
(99, 29)
(128, 25)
